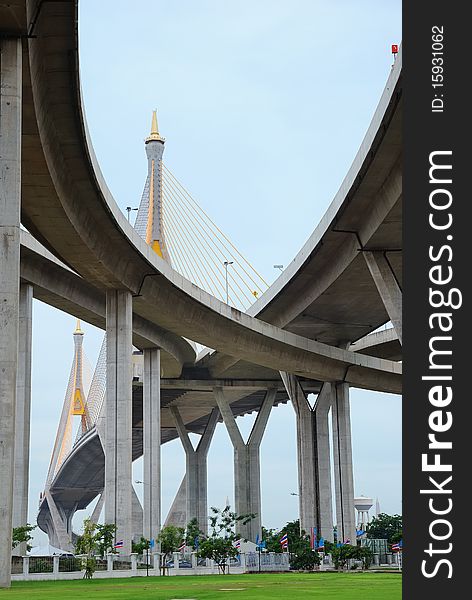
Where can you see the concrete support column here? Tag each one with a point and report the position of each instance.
(387, 285)
(343, 471)
(97, 511)
(23, 412)
(118, 410)
(10, 193)
(196, 468)
(325, 497)
(67, 517)
(247, 479)
(313, 452)
(152, 442)
(59, 533)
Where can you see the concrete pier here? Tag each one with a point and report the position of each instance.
(58, 534)
(97, 511)
(313, 452)
(325, 496)
(10, 194)
(152, 442)
(196, 468)
(388, 287)
(23, 413)
(247, 477)
(118, 437)
(343, 471)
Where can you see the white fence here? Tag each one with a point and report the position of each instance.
(34, 568)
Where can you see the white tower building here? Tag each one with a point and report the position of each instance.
(363, 505)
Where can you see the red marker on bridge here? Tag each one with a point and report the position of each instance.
(394, 51)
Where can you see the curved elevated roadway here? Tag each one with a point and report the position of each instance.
(68, 208)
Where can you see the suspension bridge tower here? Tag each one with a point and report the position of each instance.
(78, 402)
(59, 525)
(149, 220)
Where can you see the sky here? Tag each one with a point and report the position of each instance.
(263, 104)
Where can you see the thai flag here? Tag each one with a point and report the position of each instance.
(119, 544)
(182, 546)
(237, 544)
(398, 546)
(284, 541)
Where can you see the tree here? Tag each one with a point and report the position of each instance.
(305, 559)
(340, 555)
(302, 557)
(22, 534)
(271, 537)
(219, 544)
(104, 537)
(170, 540)
(141, 546)
(193, 534)
(385, 526)
(364, 554)
(86, 544)
(396, 537)
(219, 549)
(298, 541)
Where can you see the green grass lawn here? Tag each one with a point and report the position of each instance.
(266, 586)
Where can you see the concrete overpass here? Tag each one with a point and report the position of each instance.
(77, 483)
(343, 284)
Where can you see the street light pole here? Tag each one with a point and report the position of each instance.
(226, 264)
(129, 209)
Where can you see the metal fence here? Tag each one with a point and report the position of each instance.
(41, 564)
(101, 564)
(122, 563)
(185, 560)
(69, 564)
(145, 561)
